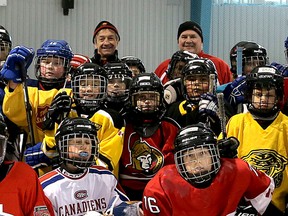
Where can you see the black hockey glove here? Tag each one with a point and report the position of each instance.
(243, 210)
(228, 147)
(59, 109)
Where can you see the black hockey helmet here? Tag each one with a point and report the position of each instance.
(118, 74)
(179, 56)
(5, 36)
(58, 50)
(192, 142)
(5, 44)
(143, 84)
(264, 77)
(252, 54)
(198, 67)
(85, 132)
(134, 61)
(89, 86)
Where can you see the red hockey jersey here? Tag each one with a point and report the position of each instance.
(169, 194)
(143, 157)
(22, 194)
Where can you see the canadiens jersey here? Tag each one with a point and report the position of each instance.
(110, 135)
(72, 194)
(265, 149)
(21, 192)
(169, 194)
(143, 157)
(40, 100)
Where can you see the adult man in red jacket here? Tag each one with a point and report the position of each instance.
(190, 38)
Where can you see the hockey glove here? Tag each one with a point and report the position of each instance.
(18, 57)
(35, 157)
(228, 147)
(234, 92)
(243, 210)
(172, 91)
(59, 108)
(208, 106)
(282, 68)
(128, 208)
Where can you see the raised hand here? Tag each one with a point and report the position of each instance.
(16, 64)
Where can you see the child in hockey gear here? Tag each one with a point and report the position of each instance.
(134, 64)
(206, 184)
(13, 143)
(172, 86)
(53, 63)
(266, 122)
(89, 87)
(149, 136)
(200, 102)
(119, 79)
(20, 189)
(253, 55)
(78, 186)
(105, 39)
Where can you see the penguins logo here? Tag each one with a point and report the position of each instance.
(146, 158)
(268, 161)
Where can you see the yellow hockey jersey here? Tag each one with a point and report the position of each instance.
(14, 107)
(265, 149)
(110, 134)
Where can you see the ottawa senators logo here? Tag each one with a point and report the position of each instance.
(268, 161)
(146, 158)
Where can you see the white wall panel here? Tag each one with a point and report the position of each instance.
(147, 28)
(266, 25)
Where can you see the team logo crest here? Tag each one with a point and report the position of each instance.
(268, 161)
(41, 112)
(146, 158)
(81, 194)
(41, 211)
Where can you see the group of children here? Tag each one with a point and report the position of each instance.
(109, 132)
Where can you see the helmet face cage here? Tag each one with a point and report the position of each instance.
(89, 90)
(196, 155)
(146, 96)
(264, 91)
(5, 48)
(177, 63)
(198, 164)
(146, 101)
(78, 149)
(119, 79)
(118, 88)
(253, 55)
(196, 78)
(58, 54)
(58, 63)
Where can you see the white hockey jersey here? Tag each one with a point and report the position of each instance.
(76, 194)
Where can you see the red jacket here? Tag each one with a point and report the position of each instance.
(223, 70)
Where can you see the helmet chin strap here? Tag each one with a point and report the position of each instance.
(77, 172)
